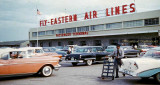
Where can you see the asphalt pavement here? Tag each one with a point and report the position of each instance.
(75, 75)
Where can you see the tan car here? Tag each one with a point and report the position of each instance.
(18, 61)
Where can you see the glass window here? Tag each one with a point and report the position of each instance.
(50, 32)
(4, 56)
(59, 43)
(60, 31)
(97, 27)
(153, 21)
(34, 34)
(114, 25)
(41, 33)
(70, 30)
(83, 29)
(136, 23)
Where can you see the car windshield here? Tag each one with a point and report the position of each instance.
(152, 53)
(83, 50)
(126, 47)
(49, 49)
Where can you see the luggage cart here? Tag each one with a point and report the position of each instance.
(108, 69)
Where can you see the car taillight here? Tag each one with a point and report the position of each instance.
(143, 51)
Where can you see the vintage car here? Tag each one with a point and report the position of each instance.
(130, 52)
(54, 50)
(86, 54)
(19, 61)
(110, 48)
(38, 51)
(146, 66)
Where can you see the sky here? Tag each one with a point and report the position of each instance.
(17, 17)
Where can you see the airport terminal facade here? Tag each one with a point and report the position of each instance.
(128, 29)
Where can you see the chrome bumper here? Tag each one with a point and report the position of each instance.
(56, 68)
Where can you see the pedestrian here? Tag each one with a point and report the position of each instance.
(118, 54)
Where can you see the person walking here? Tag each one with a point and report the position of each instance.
(118, 54)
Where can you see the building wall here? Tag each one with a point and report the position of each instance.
(105, 40)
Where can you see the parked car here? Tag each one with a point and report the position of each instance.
(38, 51)
(19, 62)
(59, 47)
(54, 50)
(86, 54)
(110, 49)
(130, 52)
(146, 48)
(144, 67)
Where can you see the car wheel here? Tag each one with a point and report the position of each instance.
(46, 71)
(74, 64)
(157, 77)
(89, 62)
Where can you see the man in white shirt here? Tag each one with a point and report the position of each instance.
(118, 54)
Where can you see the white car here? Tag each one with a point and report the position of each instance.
(145, 67)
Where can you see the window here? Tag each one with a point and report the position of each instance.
(34, 34)
(97, 27)
(83, 29)
(136, 23)
(82, 43)
(33, 45)
(114, 25)
(153, 21)
(49, 44)
(38, 51)
(41, 44)
(60, 31)
(41, 33)
(70, 30)
(70, 43)
(50, 32)
(97, 42)
(59, 43)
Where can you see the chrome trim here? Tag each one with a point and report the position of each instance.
(28, 63)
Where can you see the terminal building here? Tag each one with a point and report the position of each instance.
(128, 29)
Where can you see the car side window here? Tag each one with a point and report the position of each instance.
(99, 49)
(38, 51)
(4, 56)
(94, 49)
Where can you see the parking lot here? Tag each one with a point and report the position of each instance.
(77, 75)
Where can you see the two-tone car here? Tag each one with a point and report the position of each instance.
(20, 62)
(86, 54)
(145, 67)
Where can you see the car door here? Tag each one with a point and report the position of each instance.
(99, 54)
(20, 65)
(4, 64)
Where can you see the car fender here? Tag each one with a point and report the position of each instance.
(149, 73)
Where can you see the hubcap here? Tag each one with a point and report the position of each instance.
(47, 70)
(89, 62)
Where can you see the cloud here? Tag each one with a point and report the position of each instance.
(18, 16)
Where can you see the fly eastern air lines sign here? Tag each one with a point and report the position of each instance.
(118, 10)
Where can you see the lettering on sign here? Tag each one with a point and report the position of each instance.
(124, 9)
